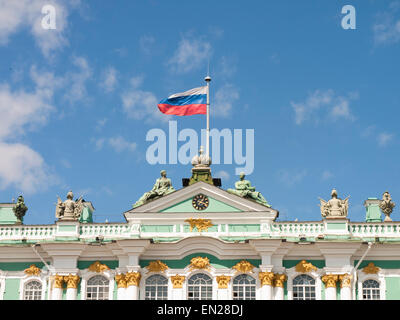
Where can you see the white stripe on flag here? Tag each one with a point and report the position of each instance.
(199, 90)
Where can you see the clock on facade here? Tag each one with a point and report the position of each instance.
(200, 202)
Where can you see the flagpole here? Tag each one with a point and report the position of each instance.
(208, 79)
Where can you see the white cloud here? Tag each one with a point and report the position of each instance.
(289, 178)
(190, 55)
(22, 168)
(223, 175)
(384, 138)
(323, 102)
(77, 80)
(27, 14)
(386, 29)
(146, 43)
(109, 79)
(327, 175)
(119, 144)
(225, 97)
(139, 104)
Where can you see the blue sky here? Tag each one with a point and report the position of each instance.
(76, 102)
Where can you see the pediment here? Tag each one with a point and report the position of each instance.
(220, 201)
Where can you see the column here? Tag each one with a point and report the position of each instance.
(266, 280)
(121, 285)
(330, 285)
(57, 291)
(132, 282)
(345, 286)
(72, 281)
(177, 287)
(223, 282)
(279, 284)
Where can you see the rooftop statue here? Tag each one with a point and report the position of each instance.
(335, 207)
(162, 187)
(387, 205)
(244, 189)
(201, 160)
(69, 209)
(20, 209)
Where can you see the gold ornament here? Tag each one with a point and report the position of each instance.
(303, 266)
(199, 263)
(345, 280)
(223, 282)
(330, 280)
(32, 270)
(133, 279)
(177, 281)
(72, 281)
(371, 268)
(58, 281)
(243, 267)
(121, 280)
(156, 266)
(200, 224)
(266, 278)
(98, 267)
(279, 280)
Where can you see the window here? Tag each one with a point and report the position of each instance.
(156, 288)
(33, 290)
(303, 288)
(97, 288)
(200, 287)
(244, 287)
(370, 290)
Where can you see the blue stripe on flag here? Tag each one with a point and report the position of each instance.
(181, 101)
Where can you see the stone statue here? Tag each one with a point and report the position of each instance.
(20, 209)
(201, 160)
(335, 207)
(162, 187)
(387, 206)
(69, 209)
(244, 189)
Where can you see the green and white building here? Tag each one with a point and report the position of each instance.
(201, 242)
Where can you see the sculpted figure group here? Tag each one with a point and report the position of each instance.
(335, 207)
(69, 209)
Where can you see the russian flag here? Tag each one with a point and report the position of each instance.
(186, 103)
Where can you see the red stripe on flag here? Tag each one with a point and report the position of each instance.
(186, 110)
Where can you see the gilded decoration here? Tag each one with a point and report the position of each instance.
(266, 278)
(157, 266)
(58, 281)
(177, 281)
(243, 267)
(330, 280)
(200, 224)
(121, 280)
(223, 282)
(303, 266)
(32, 270)
(72, 281)
(200, 263)
(133, 279)
(279, 280)
(371, 268)
(98, 267)
(345, 280)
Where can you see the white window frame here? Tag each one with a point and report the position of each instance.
(379, 277)
(316, 275)
(257, 284)
(143, 285)
(214, 284)
(29, 278)
(86, 275)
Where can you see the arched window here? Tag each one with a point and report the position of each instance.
(97, 288)
(303, 288)
(156, 288)
(370, 290)
(244, 287)
(199, 287)
(33, 290)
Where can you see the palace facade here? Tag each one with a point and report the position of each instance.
(200, 242)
